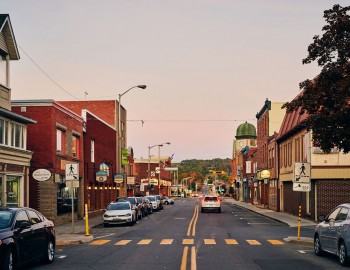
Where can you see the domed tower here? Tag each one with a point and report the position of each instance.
(245, 136)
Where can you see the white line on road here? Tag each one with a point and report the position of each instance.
(104, 236)
(62, 257)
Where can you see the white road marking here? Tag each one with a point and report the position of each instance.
(104, 236)
(61, 257)
(301, 251)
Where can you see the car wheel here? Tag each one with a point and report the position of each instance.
(166, 203)
(343, 260)
(317, 246)
(105, 224)
(50, 252)
(219, 210)
(9, 262)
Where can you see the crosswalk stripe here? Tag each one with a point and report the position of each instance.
(122, 242)
(166, 241)
(99, 242)
(187, 241)
(209, 241)
(253, 242)
(145, 242)
(231, 242)
(275, 242)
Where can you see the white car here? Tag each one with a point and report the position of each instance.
(119, 213)
(154, 202)
(211, 203)
(168, 200)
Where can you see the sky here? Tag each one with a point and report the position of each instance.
(209, 65)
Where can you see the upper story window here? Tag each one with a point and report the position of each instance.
(3, 70)
(13, 134)
(60, 141)
(75, 146)
(92, 151)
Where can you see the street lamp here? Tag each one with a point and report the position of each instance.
(149, 161)
(120, 135)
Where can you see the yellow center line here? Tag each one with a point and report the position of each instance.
(184, 259)
(191, 222)
(193, 259)
(195, 222)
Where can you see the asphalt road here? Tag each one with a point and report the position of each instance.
(181, 237)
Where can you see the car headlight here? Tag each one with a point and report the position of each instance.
(106, 216)
(129, 214)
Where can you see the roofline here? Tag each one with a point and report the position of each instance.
(17, 117)
(12, 34)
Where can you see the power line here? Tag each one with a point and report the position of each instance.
(45, 73)
(193, 120)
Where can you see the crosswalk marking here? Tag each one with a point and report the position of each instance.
(166, 241)
(185, 241)
(188, 241)
(122, 242)
(145, 242)
(275, 242)
(253, 242)
(231, 241)
(209, 241)
(99, 242)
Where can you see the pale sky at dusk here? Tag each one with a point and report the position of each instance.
(208, 65)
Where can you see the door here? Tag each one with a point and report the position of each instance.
(327, 230)
(39, 233)
(336, 230)
(24, 237)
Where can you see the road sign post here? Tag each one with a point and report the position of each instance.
(72, 173)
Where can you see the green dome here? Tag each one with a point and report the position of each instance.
(246, 131)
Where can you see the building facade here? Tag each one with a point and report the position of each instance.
(15, 157)
(56, 141)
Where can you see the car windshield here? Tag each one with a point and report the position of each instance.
(165, 198)
(131, 200)
(139, 199)
(118, 206)
(152, 199)
(5, 219)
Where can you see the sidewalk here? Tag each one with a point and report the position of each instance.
(290, 220)
(65, 235)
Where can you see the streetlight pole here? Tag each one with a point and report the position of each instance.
(120, 135)
(159, 146)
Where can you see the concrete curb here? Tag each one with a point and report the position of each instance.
(307, 241)
(73, 239)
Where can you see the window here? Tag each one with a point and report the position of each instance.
(33, 217)
(92, 151)
(61, 141)
(3, 70)
(21, 217)
(76, 146)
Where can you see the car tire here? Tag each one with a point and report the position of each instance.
(166, 203)
(219, 210)
(9, 261)
(105, 225)
(317, 246)
(342, 252)
(49, 256)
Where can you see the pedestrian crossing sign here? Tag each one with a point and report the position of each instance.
(302, 172)
(72, 171)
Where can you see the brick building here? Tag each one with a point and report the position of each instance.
(55, 140)
(269, 120)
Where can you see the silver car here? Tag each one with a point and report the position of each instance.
(332, 235)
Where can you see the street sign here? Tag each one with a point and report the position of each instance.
(118, 178)
(302, 172)
(303, 187)
(72, 171)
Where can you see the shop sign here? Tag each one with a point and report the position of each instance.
(118, 178)
(101, 176)
(130, 180)
(41, 175)
(265, 174)
(153, 181)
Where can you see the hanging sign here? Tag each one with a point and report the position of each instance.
(41, 175)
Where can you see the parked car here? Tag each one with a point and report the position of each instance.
(332, 235)
(149, 205)
(168, 200)
(154, 201)
(119, 213)
(211, 203)
(144, 210)
(25, 235)
(134, 204)
(161, 201)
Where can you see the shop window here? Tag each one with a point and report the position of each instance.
(12, 190)
(64, 197)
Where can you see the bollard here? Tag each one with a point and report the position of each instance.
(299, 221)
(86, 221)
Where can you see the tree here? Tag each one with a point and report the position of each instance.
(326, 98)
